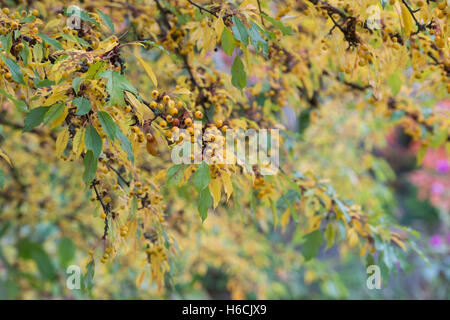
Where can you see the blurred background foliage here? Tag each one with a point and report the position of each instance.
(228, 258)
(237, 253)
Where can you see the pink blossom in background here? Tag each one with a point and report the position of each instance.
(433, 179)
(442, 166)
(437, 188)
(436, 240)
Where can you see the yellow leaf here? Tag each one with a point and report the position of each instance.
(78, 142)
(407, 20)
(227, 185)
(139, 106)
(215, 188)
(4, 156)
(61, 141)
(325, 198)
(54, 98)
(314, 223)
(358, 227)
(182, 91)
(285, 218)
(352, 236)
(147, 69)
(140, 278)
(363, 250)
(218, 27)
(399, 242)
(106, 45)
(137, 44)
(309, 276)
(187, 174)
(60, 119)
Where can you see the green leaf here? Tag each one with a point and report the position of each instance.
(108, 124)
(240, 30)
(115, 86)
(286, 30)
(311, 246)
(86, 17)
(28, 19)
(421, 154)
(21, 105)
(257, 40)
(75, 39)
(76, 83)
(44, 263)
(133, 207)
(35, 118)
(329, 235)
(228, 42)
(90, 167)
(238, 75)
(66, 251)
(51, 41)
(7, 42)
(205, 201)
(93, 141)
(88, 279)
(342, 209)
(175, 174)
(14, 68)
(125, 143)
(106, 20)
(54, 112)
(201, 177)
(395, 82)
(83, 105)
(33, 251)
(95, 70)
(25, 53)
(38, 83)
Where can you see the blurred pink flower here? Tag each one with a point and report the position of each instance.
(436, 240)
(437, 188)
(442, 166)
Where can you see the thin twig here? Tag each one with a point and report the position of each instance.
(420, 26)
(260, 13)
(203, 9)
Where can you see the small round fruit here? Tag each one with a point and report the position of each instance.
(188, 121)
(198, 114)
(155, 94)
(173, 111)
